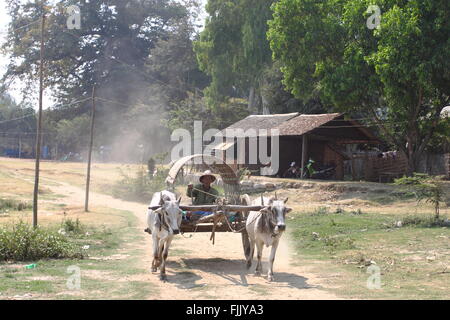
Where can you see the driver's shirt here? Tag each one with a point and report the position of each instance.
(200, 198)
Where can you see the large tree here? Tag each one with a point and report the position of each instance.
(233, 49)
(397, 73)
(115, 49)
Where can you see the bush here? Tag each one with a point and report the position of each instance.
(71, 226)
(320, 211)
(15, 205)
(425, 222)
(140, 187)
(22, 242)
(425, 188)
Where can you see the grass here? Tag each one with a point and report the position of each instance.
(22, 242)
(7, 204)
(413, 259)
(352, 230)
(104, 273)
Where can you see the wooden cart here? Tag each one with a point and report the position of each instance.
(229, 214)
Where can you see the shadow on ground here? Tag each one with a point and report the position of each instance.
(232, 270)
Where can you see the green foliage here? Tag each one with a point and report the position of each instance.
(136, 53)
(15, 205)
(73, 134)
(233, 50)
(396, 73)
(15, 118)
(320, 211)
(424, 222)
(73, 227)
(140, 187)
(196, 108)
(22, 242)
(415, 179)
(426, 188)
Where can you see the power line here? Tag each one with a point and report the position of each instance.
(122, 104)
(33, 114)
(24, 133)
(72, 103)
(4, 121)
(14, 30)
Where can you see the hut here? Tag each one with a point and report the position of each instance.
(319, 137)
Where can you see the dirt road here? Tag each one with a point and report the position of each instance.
(199, 270)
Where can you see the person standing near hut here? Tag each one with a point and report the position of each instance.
(203, 193)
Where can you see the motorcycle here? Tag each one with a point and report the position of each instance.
(293, 172)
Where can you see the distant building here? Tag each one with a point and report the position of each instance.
(320, 137)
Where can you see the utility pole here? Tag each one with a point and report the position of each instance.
(88, 178)
(39, 127)
(20, 146)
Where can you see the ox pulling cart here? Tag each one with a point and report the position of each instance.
(228, 214)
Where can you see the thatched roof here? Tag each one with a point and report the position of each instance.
(295, 124)
(305, 123)
(259, 122)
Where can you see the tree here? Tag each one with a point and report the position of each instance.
(195, 108)
(397, 73)
(113, 50)
(16, 118)
(114, 40)
(425, 188)
(172, 63)
(233, 49)
(73, 134)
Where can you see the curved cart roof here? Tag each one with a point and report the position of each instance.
(215, 164)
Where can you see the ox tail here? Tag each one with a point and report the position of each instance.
(246, 244)
(246, 201)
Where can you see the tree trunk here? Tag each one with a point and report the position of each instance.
(254, 101)
(265, 106)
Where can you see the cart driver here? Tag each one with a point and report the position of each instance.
(203, 193)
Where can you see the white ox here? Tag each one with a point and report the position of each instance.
(265, 227)
(163, 224)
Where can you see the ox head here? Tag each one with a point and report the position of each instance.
(172, 213)
(277, 210)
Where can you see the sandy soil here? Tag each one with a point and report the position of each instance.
(199, 270)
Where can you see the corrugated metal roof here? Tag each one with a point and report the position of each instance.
(305, 123)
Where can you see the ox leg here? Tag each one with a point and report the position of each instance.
(273, 251)
(164, 251)
(155, 262)
(259, 247)
(251, 253)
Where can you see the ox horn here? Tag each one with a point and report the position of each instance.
(285, 200)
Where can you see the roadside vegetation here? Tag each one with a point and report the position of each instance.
(412, 252)
(22, 242)
(40, 262)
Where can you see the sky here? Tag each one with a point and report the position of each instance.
(15, 92)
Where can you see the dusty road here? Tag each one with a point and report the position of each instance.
(197, 269)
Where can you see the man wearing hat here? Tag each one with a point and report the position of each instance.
(203, 193)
